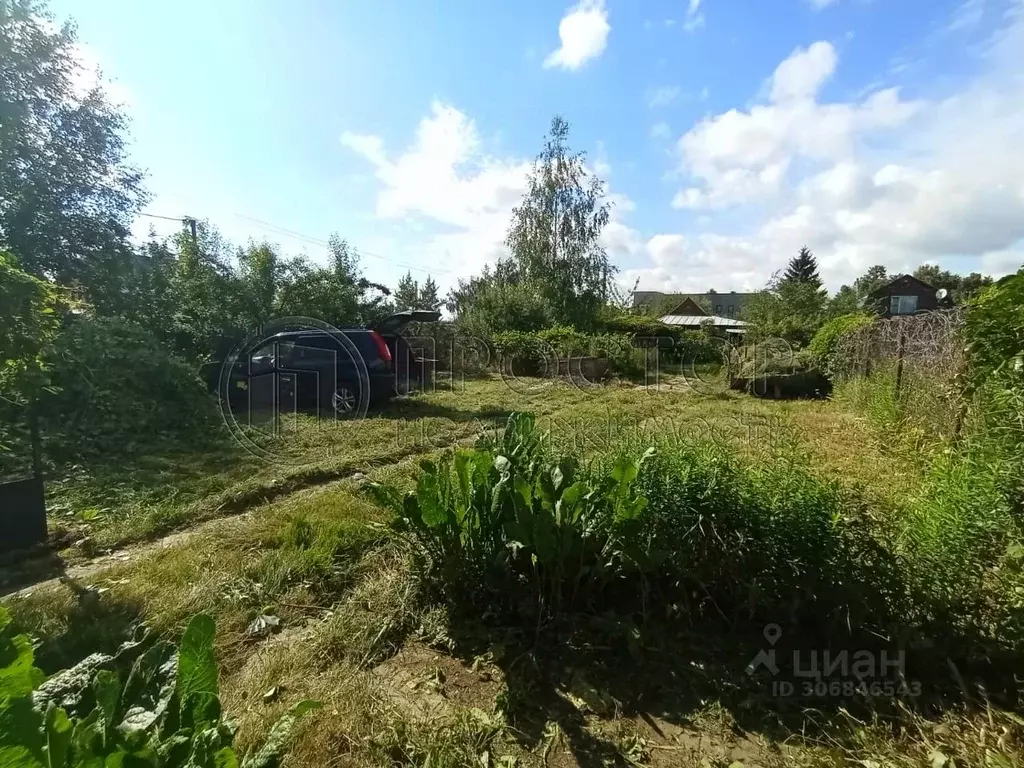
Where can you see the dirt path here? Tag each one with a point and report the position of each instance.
(49, 570)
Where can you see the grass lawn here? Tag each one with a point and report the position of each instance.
(289, 535)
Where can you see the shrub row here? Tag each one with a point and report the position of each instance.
(627, 353)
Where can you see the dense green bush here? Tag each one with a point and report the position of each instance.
(116, 387)
(30, 311)
(994, 328)
(521, 353)
(565, 340)
(624, 359)
(698, 347)
(636, 325)
(498, 307)
(149, 706)
(826, 341)
(533, 354)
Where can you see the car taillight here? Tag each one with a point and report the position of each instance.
(382, 347)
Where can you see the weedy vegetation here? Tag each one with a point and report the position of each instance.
(149, 704)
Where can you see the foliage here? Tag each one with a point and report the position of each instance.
(411, 295)
(771, 357)
(67, 194)
(623, 357)
(337, 294)
(762, 540)
(115, 385)
(509, 521)
(30, 311)
(521, 353)
(788, 310)
(532, 354)
(875, 278)
(497, 306)
(961, 287)
(165, 713)
(994, 328)
(565, 340)
(845, 302)
(407, 294)
(826, 341)
(260, 271)
(429, 298)
(505, 522)
(637, 325)
(803, 268)
(555, 230)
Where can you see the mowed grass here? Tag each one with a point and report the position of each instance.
(352, 628)
(101, 507)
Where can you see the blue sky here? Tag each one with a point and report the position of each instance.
(730, 133)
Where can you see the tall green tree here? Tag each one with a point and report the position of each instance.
(554, 233)
(428, 295)
(206, 293)
(871, 281)
(961, 287)
(845, 302)
(803, 268)
(337, 294)
(260, 273)
(30, 312)
(67, 193)
(786, 309)
(407, 295)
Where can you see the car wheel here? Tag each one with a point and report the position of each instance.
(345, 400)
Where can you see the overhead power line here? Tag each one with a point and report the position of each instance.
(190, 221)
(324, 243)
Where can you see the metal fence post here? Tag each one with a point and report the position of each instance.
(899, 361)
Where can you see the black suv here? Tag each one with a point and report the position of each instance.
(335, 373)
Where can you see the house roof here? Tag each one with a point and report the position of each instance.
(696, 321)
(901, 279)
(688, 307)
(725, 298)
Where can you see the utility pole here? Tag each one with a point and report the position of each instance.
(191, 223)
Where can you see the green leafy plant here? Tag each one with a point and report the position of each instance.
(164, 713)
(504, 521)
(826, 341)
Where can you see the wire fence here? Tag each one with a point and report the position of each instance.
(908, 369)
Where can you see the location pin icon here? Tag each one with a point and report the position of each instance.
(772, 633)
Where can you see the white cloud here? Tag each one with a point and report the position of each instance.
(820, 4)
(945, 186)
(662, 95)
(694, 18)
(740, 156)
(803, 74)
(584, 35)
(445, 178)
